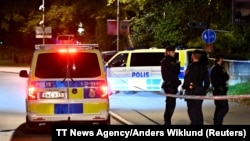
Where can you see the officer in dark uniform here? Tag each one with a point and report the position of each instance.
(196, 82)
(170, 69)
(219, 78)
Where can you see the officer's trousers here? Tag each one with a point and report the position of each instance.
(221, 106)
(194, 109)
(169, 109)
(221, 109)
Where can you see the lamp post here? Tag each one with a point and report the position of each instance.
(42, 22)
(117, 27)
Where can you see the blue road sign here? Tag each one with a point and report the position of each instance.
(208, 36)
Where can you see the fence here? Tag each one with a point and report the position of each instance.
(238, 70)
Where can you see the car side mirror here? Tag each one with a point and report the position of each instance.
(23, 73)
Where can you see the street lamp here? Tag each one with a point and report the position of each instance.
(80, 29)
(42, 21)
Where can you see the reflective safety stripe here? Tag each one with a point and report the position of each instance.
(152, 83)
(141, 84)
(76, 93)
(42, 109)
(82, 97)
(65, 84)
(72, 108)
(182, 73)
(95, 107)
(183, 57)
(84, 93)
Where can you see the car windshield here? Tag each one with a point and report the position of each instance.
(106, 55)
(62, 65)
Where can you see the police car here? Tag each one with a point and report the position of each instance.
(66, 83)
(139, 70)
(106, 55)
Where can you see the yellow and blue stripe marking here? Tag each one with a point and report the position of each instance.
(77, 91)
(66, 84)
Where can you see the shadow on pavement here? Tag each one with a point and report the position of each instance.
(22, 133)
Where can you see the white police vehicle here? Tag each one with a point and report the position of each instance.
(139, 69)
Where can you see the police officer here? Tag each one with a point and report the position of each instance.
(196, 82)
(219, 78)
(170, 69)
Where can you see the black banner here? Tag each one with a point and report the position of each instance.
(149, 132)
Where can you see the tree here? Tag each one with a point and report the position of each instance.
(153, 22)
(12, 16)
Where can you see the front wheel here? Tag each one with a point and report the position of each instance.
(106, 122)
(129, 92)
(31, 125)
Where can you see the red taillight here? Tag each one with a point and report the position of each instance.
(104, 91)
(32, 95)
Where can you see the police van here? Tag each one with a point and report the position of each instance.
(139, 69)
(66, 83)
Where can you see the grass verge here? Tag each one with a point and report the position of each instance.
(240, 89)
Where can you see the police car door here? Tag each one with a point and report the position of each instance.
(145, 71)
(117, 72)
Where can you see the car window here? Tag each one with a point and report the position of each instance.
(176, 56)
(146, 59)
(60, 65)
(106, 55)
(119, 61)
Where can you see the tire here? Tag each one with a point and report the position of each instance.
(106, 122)
(31, 125)
(129, 92)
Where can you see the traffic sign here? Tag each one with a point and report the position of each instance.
(208, 36)
(43, 32)
(197, 24)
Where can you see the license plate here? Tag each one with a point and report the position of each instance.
(52, 94)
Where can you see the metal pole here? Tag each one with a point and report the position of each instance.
(43, 24)
(117, 28)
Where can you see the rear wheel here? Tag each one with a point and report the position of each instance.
(129, 92)
(106, 122)
(36, 125)
(31, 125)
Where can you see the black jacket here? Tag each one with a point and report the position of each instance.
(170, 69)
(218, 76)
(196, 73)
